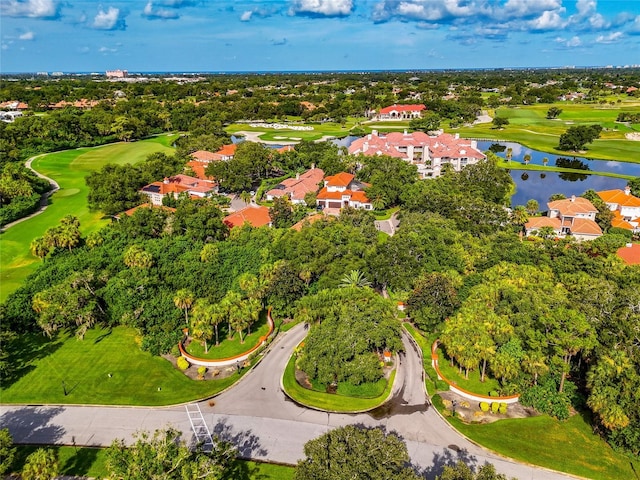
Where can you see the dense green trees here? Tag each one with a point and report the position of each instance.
(352, 452)
(163, 455)
(7, 450)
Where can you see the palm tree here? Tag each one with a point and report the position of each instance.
(486, 349)
(245, 196)
(355, 278)
(379, 202)
(534, 363)
(201, 325)
(545, 161)
(509, 154)
(526, 158)
(519, 215)
(39, 247)
(183, 299)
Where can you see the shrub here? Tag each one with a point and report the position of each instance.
(182, 363)
(201, 371)
(484, 406)
(495, 406)
(503, 408)
(493, 393)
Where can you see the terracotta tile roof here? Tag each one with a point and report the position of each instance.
(619, 222)
(630, 255)
(537, 223)
(342, 179)
(284, 149)
(204, 156)
(299, 187)
(572, 206)
(199, 169)
(619, 197)
(255, 215)
(584, 226)
(164, 188)
(228, 150)
(357, 195)
(193, 184)
(402, 108)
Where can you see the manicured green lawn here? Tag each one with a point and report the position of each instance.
(91, 462)
(68, 168)
(327, 401)
(319, 130)
(541, 168)
(230, 347)
(41, 365)
(528, 126)
(569, 446)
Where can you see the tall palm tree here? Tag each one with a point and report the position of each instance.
(355, 278)
(201, 325)
(183, 299)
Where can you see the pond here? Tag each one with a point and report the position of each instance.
(541, 185)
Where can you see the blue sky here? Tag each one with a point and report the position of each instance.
(275, 35)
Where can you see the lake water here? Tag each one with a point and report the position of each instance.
(541, 185)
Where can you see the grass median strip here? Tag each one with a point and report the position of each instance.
(327, 401)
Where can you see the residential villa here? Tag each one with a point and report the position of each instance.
(401, 112)
(630, 253)
(173, 186)
(625, 208)
(225, 153)
(296, 188)
(428, 153)
(254, 215)
(343, 190)
(573, 216)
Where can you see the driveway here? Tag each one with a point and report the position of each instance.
(259, 419)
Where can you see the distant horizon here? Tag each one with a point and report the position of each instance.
(311, 72)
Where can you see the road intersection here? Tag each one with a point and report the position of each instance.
(264, 424)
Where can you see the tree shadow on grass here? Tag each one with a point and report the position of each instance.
(33, 425)
(447, 458)
(25, 351)
(81, 462)
(247, 443)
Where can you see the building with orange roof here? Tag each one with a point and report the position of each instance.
(401, 112)
(174, 186)
(428, 153)
(343, 190)
(131, 211)
(225, 153)
(254, 215)
(626, 208)
(630, 253)
(296, 188)
(198, 168)
(204, 156)
(573, 216)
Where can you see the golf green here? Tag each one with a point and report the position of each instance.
(68, 169)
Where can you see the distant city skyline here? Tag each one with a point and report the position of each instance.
(315, 35)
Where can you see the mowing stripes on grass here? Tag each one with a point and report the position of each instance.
(106, 368)
(69, 169)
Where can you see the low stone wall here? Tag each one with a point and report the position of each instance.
(227, 362)
(461, 391)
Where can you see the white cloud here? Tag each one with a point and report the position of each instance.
(611, 38)
(635, 26)
(246, 16)
(569, 42)
(549, 20)
(159, 13)
(29, 8)
(428, 10)
(327, 8)
(107, 50)
(529, 8)
(586, 7)
(27, 36)
(109, 19)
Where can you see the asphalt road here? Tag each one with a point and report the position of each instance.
(264, 424)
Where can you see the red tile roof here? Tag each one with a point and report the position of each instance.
(131, 211)
(584, 226)
(199, 168)
(308, 221)
(342, 179)
(357, 195)
(402, 108)
(630, 255)
(619, 197)
(299, 187)
(619, 222)
(537, 223)
(255, 215)
(228, 150)
(572, 206)
(204, 156)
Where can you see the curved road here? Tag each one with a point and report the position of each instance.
(265, 425)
